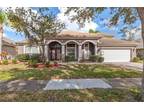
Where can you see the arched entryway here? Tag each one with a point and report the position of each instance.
(72, 50)
(88, 49)
(55, 50)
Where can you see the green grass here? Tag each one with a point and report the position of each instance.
(102, 95)
(20, 71)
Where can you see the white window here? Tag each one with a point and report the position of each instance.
(31, 49)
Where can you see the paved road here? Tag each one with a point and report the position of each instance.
(128, 65)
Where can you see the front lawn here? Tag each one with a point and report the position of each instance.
(102, 95)
(20, 71)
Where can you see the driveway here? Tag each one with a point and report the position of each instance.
(128, 65)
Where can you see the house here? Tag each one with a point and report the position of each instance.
(9, 47)
(82, 45)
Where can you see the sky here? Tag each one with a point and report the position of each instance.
(95, 24)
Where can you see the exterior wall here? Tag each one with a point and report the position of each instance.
(97, 50)
(20, 49)
(79, 43)
(31, 49)
(11, 51)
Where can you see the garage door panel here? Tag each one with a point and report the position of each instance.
(116, 55)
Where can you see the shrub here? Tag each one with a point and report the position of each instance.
(14, 61)
(35, 57)
(101, 59)
(70, 58)
(94, 58)
(23, 57)
(5, 62)
(32, 63)
(136, 59)
(136, 93)
(47, 64)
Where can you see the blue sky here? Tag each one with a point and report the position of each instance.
(96, 24)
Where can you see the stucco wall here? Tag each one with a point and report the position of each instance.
(20, 49)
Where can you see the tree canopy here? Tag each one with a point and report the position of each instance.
(127, 15)
(36, 25)
(93, 31)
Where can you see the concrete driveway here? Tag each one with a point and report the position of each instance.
(128, 65)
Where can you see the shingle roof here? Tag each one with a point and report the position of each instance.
(76, 35)
(112, 42)
(7, 41)
(105, 40)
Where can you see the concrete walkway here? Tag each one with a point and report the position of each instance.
(36, 85)
(76, 84)
(128, 65)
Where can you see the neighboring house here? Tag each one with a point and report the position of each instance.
(82, 46)
(9, 47)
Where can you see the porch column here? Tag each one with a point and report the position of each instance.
(46, 52)
(95, 49)
(79, 52)
(63, 52)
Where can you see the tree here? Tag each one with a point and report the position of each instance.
(2, 22)
(93, 31)
(37, 25)
(127, 16)
(130, 33)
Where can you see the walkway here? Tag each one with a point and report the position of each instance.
(128, 65)
(35, 85)
(76, 84)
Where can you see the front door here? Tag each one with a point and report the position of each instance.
(55, 54)
(54, 51)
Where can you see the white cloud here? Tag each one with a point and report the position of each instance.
(73, 25)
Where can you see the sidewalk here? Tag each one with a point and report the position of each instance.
(128, 65)
(35, 85)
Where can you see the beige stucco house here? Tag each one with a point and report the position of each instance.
(82, 45)
(9, 47)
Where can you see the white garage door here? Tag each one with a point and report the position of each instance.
(116, 55)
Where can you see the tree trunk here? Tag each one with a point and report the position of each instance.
(140, 11)
(1, 35)
(43, 54)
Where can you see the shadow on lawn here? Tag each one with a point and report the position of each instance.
(99, 71)
(68, 71)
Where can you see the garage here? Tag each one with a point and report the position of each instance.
(115, 55)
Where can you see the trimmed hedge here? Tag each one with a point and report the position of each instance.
(96, 58)
(23, 57)
(32, 63)
(27, 57)
(5, 62)
(70, 58)
(101, 59)
(136, 59)
(14, 61)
